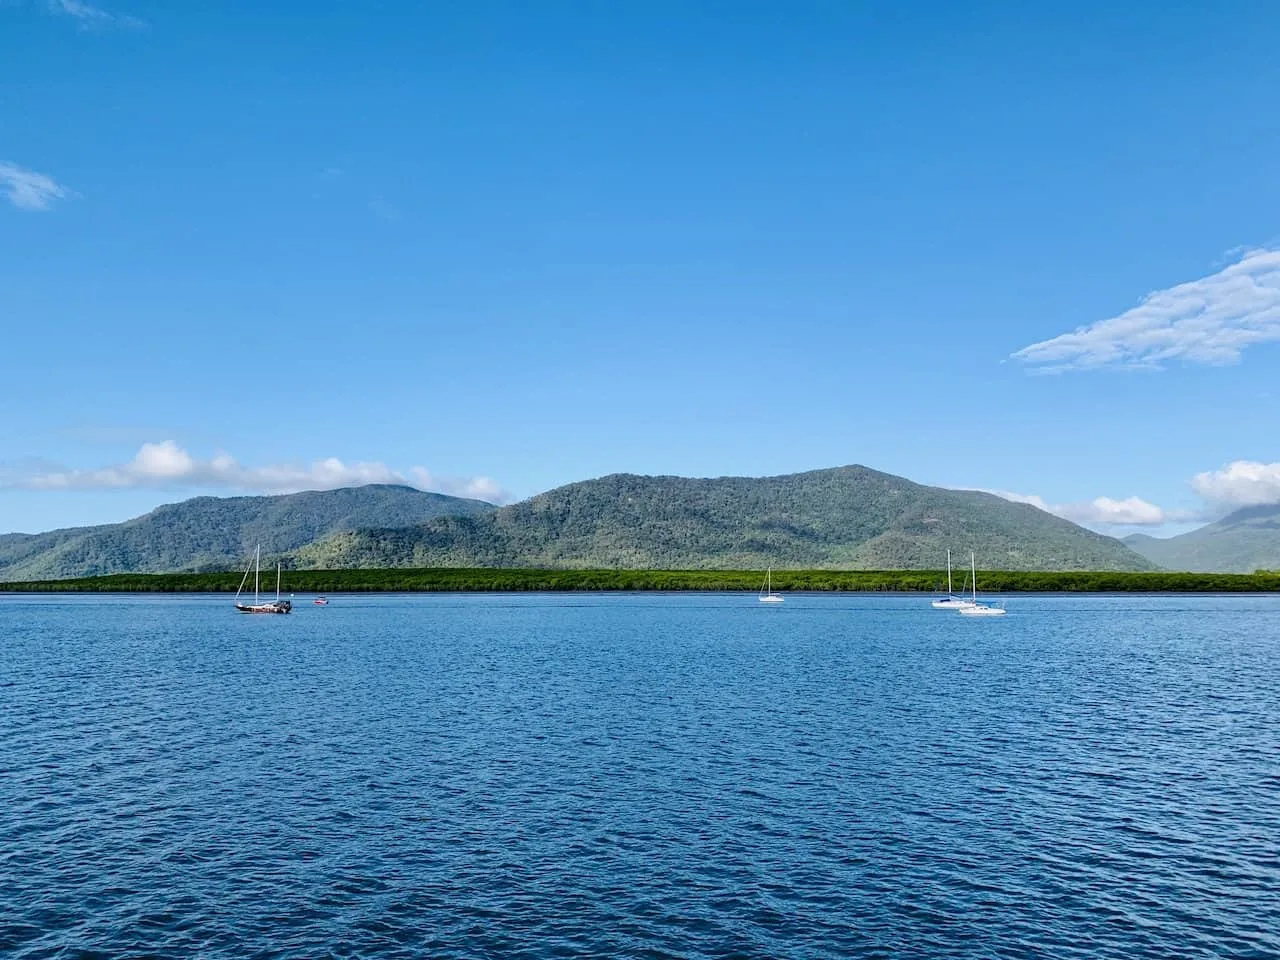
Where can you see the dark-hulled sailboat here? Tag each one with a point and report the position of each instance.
(258, 606)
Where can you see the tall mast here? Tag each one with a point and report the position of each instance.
(950, 592)
(973, 567)
(277, 581)
(257, 554)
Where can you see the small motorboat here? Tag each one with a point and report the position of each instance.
(321, 601)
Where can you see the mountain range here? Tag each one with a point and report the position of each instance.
(218, 533)
(851, 517)
(1241, 542)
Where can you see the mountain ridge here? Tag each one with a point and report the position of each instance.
(213, 533)
(842, 517)
(849, 516)
(1243, 541)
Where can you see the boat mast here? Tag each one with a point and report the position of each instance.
(277, 581)
(243, 580)
(973, 564)
(950, 592)
(257, 554)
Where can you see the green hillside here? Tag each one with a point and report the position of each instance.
(214, 533)
(849, 517)
(1242, 542)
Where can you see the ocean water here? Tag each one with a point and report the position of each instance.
(640, 776)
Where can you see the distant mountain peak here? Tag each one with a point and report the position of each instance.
(1243, 541)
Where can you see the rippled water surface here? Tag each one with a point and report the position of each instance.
(640, 776)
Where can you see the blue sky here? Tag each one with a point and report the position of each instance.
(495, 247)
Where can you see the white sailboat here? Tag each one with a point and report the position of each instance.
(951, 601)
(258, 606)
(766, 592)
(983, 609)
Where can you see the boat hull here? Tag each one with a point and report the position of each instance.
(951, 603)
(981, 611)
(279, 606)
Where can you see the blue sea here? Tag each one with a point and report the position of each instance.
(640, 775)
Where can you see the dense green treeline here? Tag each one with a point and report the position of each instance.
(482, 579)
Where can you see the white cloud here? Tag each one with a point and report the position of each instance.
(166, 465)
(1242, 483)
(1108, 512)
(478, 488)
(87, 15)
(1102, 511)
(29, 190)
(1210, 320)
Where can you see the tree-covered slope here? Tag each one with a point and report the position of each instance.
(215, 533)
(1242, 542)
(844, 517)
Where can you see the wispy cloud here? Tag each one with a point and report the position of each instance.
(1101, 511)
(1210, 320)
(382, 208)
(1242, 483)
(28, 190)
(166, 465)
(89, 16)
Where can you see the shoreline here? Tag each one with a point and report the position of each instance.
(531, 580)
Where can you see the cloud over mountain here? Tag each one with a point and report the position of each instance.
(1101, 511)
(1242, 483)
(166, 465)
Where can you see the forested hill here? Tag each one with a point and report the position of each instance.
(844, 517)
(215, 533)
(1242, 542)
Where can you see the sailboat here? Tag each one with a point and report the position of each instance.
(271, 606)
(951, 601)
(766, 592)
(984, 609)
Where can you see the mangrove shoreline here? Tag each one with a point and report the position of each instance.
(488, 580)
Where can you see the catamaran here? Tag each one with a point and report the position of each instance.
(258, 606)
(766, 592)
(985, 608)
(951, 601)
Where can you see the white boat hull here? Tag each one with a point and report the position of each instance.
(979, 610)
(766, 590)
(951, 603)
